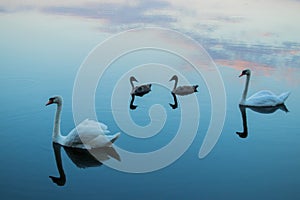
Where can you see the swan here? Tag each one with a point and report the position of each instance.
(262, 98)
(138, 91)
(86, 135)
(181, 90)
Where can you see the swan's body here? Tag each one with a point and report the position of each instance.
(266, 98)
(262, 98)
(87, 135)
(138, 91)
(89, 132)
(183, 90)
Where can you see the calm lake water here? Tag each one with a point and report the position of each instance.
(264, 165)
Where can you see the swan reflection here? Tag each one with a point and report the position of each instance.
(263, 110)
(82, 158)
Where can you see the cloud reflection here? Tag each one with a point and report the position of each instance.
(117, 14)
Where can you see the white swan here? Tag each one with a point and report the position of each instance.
(87, 135)
(262, 98)
(140, 91)
(182, 90)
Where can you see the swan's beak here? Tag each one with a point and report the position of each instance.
(241, 75)
(49, 102)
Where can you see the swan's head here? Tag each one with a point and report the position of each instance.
(56, 100)
(245, 72)
(132, 78)
(174, 78)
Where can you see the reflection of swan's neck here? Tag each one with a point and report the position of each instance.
(61, 180)
(246, 89)
(176, 81)
(243, 134)
(56, 131)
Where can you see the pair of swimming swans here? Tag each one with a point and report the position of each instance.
(144, 89)
(88, 134)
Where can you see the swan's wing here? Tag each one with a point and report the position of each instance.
(95, 124)
(92, 127)
(103, 140)
(184, 90)
(262, 93)
(73, 139)
(142, 90)
(263, 98)
(85, 132)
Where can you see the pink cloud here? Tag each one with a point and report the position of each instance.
(288, 75)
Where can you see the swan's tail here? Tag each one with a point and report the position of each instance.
(284, 96)
(114, 137)
(195, 88)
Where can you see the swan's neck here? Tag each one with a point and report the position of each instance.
(244, 96)
(175, 85)
(131, 83)
(56, 130)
